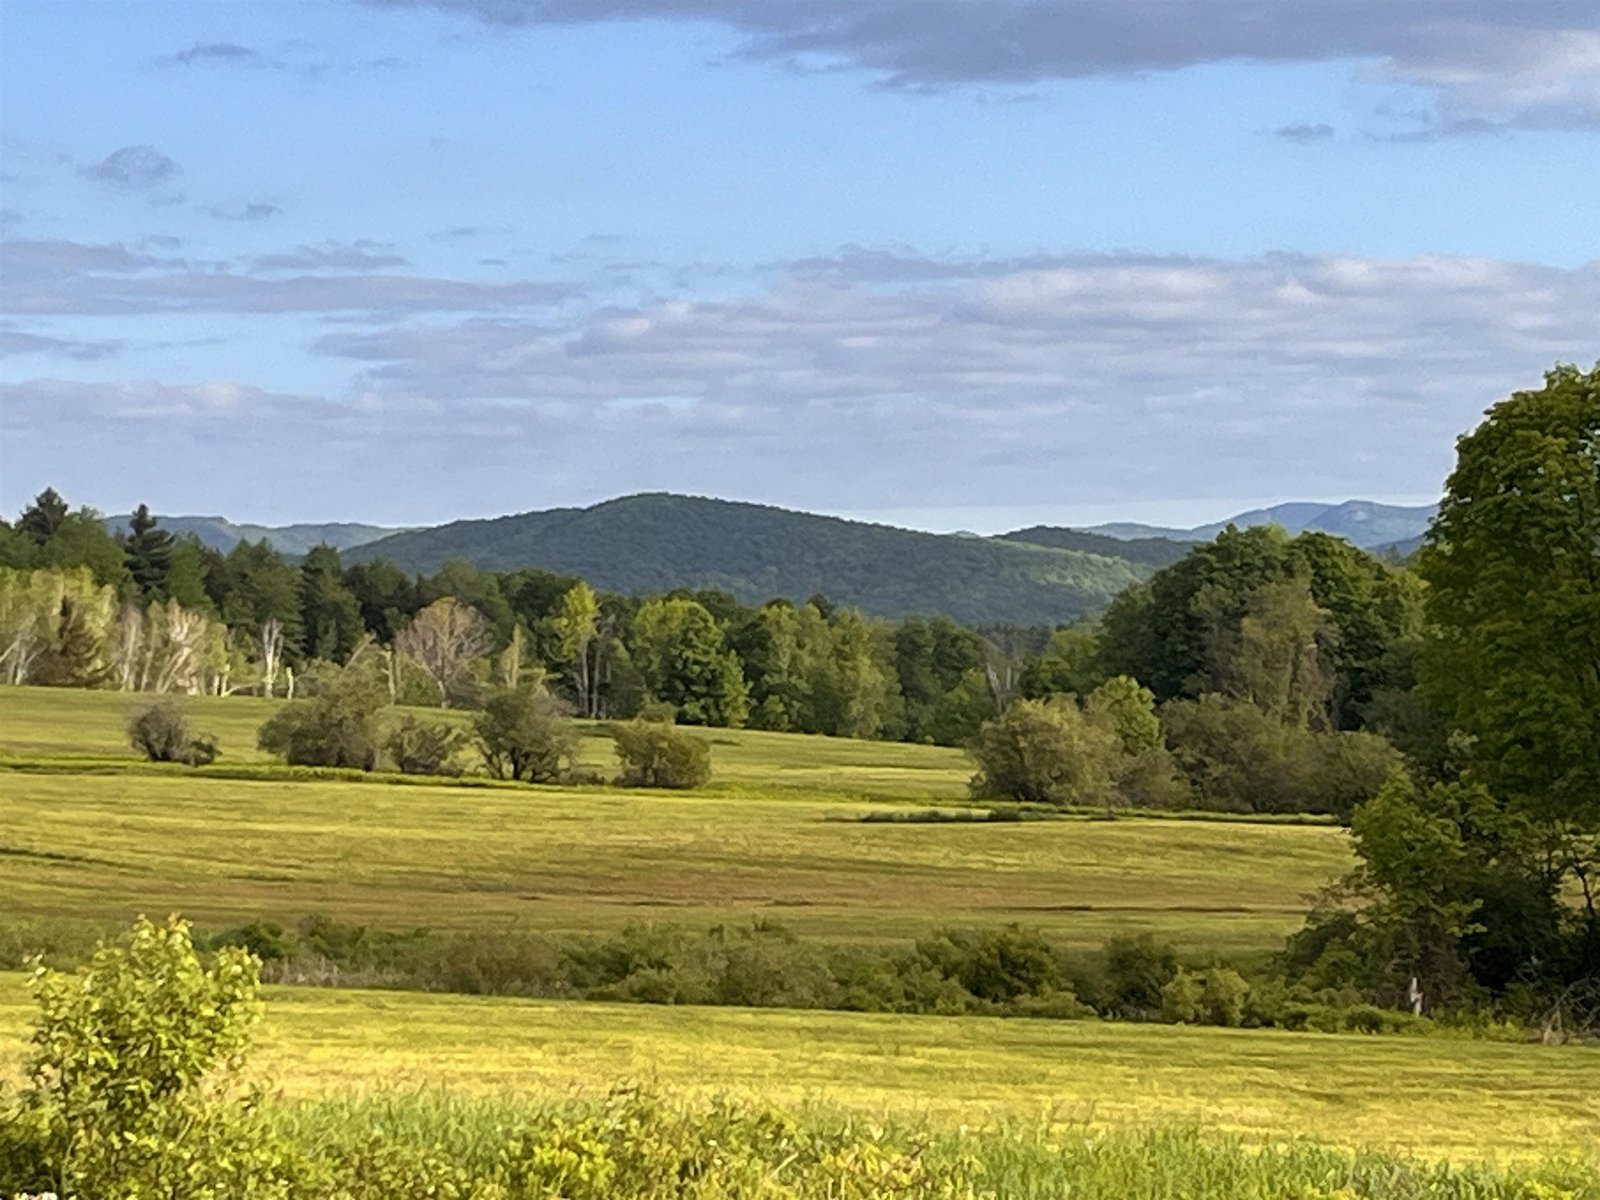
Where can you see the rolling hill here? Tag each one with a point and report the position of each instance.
(656, 542)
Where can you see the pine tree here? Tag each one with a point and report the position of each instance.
(43, 517)
(148, 552)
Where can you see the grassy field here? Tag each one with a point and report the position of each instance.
(775, 836)
(1435, 1098)
(89, 834)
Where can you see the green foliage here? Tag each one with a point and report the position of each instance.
(148, 552)
(337, 727)
(524, 734)
(330, 617)
(1069, 663)
(656, 754)
(1300, 627)
(1238, 757)
(681, 654)
(1045, 751)
(1137, 971)
(116, 1103)
(1215, 996)
(1146, 551)
(161, 733)
(424, 747)
(1513, 567)
(74, 656)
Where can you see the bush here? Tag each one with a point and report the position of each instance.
(1045, 751)
(425, 747)
(496, 964)
(657, 754)
(1137, 969)
(160, 732)
(116, 1102)
(523, 733)
(995, 965)
(1216, 996)
(336, 727)
(1240, 759)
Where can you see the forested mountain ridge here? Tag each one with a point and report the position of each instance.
(656, 542)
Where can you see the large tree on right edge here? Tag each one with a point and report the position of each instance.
(1513, 568)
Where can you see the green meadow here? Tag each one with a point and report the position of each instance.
(1431, 1097)
(91, 834)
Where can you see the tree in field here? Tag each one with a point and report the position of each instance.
(683, 657)
(523, 734)
(148, 553)
(657, 754)
(444, 638)
(337, 726)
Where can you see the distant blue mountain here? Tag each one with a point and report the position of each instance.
(1368, 524)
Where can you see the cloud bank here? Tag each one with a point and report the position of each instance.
(1528, 64)
(875, 380)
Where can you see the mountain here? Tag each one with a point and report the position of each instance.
(1368, 524)
(1152, 552)
(222, 534)
(657, 542)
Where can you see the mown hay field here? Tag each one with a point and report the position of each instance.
(90, 834)
(1427, 1096)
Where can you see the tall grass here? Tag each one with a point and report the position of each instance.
(635, 1142)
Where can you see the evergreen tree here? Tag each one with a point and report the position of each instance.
(330, 616)
(148, 553)
(43, 517)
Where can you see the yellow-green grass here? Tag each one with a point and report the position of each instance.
(66, 723)
(220, 851)
(768, 839)
(1432, 1097)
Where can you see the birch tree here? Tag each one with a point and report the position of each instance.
(443, 638)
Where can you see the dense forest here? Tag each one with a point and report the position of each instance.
(1449, 711)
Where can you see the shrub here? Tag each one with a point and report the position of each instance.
(1136, 971)
(496, 964)
(115, 1103)
(995, 965)
(425, 747)
(1216, 996)
(1045, 751)
(160, 732)
(336, 727)
(657, 754)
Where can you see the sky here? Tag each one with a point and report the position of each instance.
(953, 264)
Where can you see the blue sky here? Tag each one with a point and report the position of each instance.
(951, 264)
